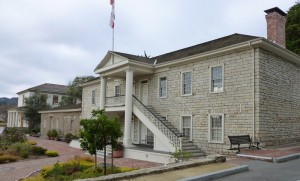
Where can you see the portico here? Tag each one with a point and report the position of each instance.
(115, 68)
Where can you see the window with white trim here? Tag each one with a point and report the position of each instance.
(186, 126)
(162, 87)
(216, 79)
(117, 90)
(55, 100)
(216, 128)
(186, 83)
(93, 97)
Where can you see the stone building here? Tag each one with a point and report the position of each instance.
(64, 119)
(194, 98)
(54, 93)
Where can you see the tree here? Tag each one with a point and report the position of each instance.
(293, 28)
(34, 104)
(75, 91)
(98, 132)
(3, 111)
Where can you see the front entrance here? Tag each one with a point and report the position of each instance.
(144, 92)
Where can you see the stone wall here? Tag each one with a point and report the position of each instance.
(236, 102)
(87, 105)
(279, 100)
(63, 122)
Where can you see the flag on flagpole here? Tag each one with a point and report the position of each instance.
(112, 14)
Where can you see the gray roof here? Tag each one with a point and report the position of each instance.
(48, 88)
(193, 50)
(205, 47)
(65, 107)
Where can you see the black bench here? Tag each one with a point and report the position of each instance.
(242, 139)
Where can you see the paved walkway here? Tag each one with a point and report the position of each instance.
(271, 152)
(17, 170)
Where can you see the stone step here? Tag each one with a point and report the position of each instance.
(187, 147)
(193, 150)
(198, 154)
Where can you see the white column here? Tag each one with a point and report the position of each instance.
(128, 109)
(14, 120)
(8, 119)
(102, 92)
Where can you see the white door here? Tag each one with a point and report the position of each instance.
(144, 92)
(143, 133)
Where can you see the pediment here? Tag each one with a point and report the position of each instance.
(110, 59)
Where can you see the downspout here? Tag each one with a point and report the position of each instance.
(253, 100)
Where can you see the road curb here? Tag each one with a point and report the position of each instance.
(286, 158)
(254, 157)
(218, 174)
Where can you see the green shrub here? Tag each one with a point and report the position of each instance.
(49, 133)
(37, 150)
(30, 142)
(181, 155)
(5, 158)
(12, 135)
(19, 149)
(54, 133)
(35, 178)
(73, 170)
(68, 137)
(52, 153)
(86, 158)
(59, 170)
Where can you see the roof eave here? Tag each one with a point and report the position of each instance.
(62, 110)
(259, 42)
(235, 47)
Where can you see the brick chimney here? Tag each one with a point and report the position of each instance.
(276, 25)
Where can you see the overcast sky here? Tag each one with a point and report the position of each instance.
(53, 41)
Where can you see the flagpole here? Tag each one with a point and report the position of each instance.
(112, 25)
(113, 39)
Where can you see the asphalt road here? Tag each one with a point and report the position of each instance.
(267, 171)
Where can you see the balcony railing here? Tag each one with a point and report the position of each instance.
(115, 101)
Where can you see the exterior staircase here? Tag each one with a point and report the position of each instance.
(186, 144)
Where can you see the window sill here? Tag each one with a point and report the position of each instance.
(217, 92)
(163, 97)
(185, 95)
(216, 142)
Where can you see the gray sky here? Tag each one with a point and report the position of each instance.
(52, 41)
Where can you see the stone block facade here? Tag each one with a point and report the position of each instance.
(261, 98)
(235, 102)
(63, 122)
(279, 100)
(87, 105)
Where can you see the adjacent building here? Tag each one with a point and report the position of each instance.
(64, 119)
(54, 94)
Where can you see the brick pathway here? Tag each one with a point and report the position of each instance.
(273, 152)
(17, 170)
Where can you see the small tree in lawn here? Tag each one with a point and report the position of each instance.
(98, 132)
